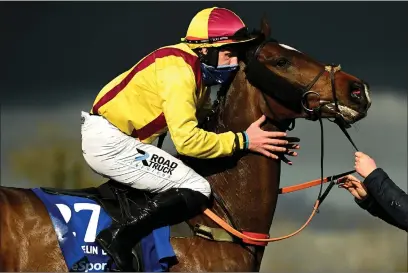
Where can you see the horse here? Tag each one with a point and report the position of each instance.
(274, 80)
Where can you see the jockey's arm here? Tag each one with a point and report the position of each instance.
(178, 92)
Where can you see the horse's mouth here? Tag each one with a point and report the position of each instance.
(348, 115)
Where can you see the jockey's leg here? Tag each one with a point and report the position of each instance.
(181, 192)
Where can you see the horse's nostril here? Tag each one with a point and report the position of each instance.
(356, 94)
(357, 90)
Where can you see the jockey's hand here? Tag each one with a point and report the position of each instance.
(364, 164)
(354, 186)
(270, 144)
(289, 146)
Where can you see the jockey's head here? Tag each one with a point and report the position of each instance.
(216, 34)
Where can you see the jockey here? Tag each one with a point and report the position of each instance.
(161, 93)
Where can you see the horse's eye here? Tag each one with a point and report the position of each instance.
(282, 62)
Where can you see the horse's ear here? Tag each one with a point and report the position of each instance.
(265, 28)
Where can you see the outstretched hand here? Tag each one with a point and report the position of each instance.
(354, 186)
(271, 144)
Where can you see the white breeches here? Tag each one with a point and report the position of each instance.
(113, 154)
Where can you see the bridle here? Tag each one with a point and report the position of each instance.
(255, 72)
(315, 113)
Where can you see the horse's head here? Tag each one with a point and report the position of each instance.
(293, 85)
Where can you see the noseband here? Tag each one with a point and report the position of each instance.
(332, 69)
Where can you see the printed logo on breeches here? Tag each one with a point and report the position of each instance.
(156, 162)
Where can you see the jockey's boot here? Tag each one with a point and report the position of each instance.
(167, 208)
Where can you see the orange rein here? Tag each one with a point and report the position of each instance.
(283, 190)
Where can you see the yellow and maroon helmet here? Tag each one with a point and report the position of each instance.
(215, 27)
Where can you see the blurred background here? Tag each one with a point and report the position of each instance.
(57, 55)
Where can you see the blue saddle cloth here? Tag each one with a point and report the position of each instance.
(78, 220)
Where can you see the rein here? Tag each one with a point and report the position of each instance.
(256, 71)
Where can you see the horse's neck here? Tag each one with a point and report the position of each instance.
(250, 188)
(249, 191)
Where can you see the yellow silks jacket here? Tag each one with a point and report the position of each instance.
(162, 92)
